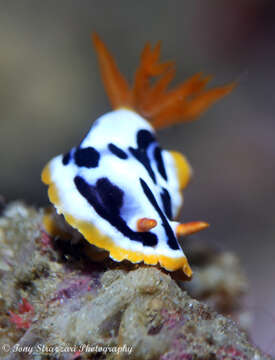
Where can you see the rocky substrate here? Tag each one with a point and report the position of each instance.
(57, 303)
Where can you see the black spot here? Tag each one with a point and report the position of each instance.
(160, 163)
(66, 158)
(144, 139)
(107, 200)
(166, 201)
(87, 157)
(117, 151)
(172, 241)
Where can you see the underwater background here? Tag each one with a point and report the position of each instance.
(51, 92)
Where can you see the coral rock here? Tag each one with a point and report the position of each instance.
(68, 299)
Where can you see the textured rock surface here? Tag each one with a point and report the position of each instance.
(52, 293)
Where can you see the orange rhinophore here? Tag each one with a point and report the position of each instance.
(191, 228)
(145, 224)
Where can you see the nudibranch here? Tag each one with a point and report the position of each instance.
(119, 188)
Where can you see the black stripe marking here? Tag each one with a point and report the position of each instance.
(166, 201)
(160, 163)
(117, 151)
(172, 241)
(144, 139)
(87, 157)
(107, 200)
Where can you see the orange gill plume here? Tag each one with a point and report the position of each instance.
(155, 102)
